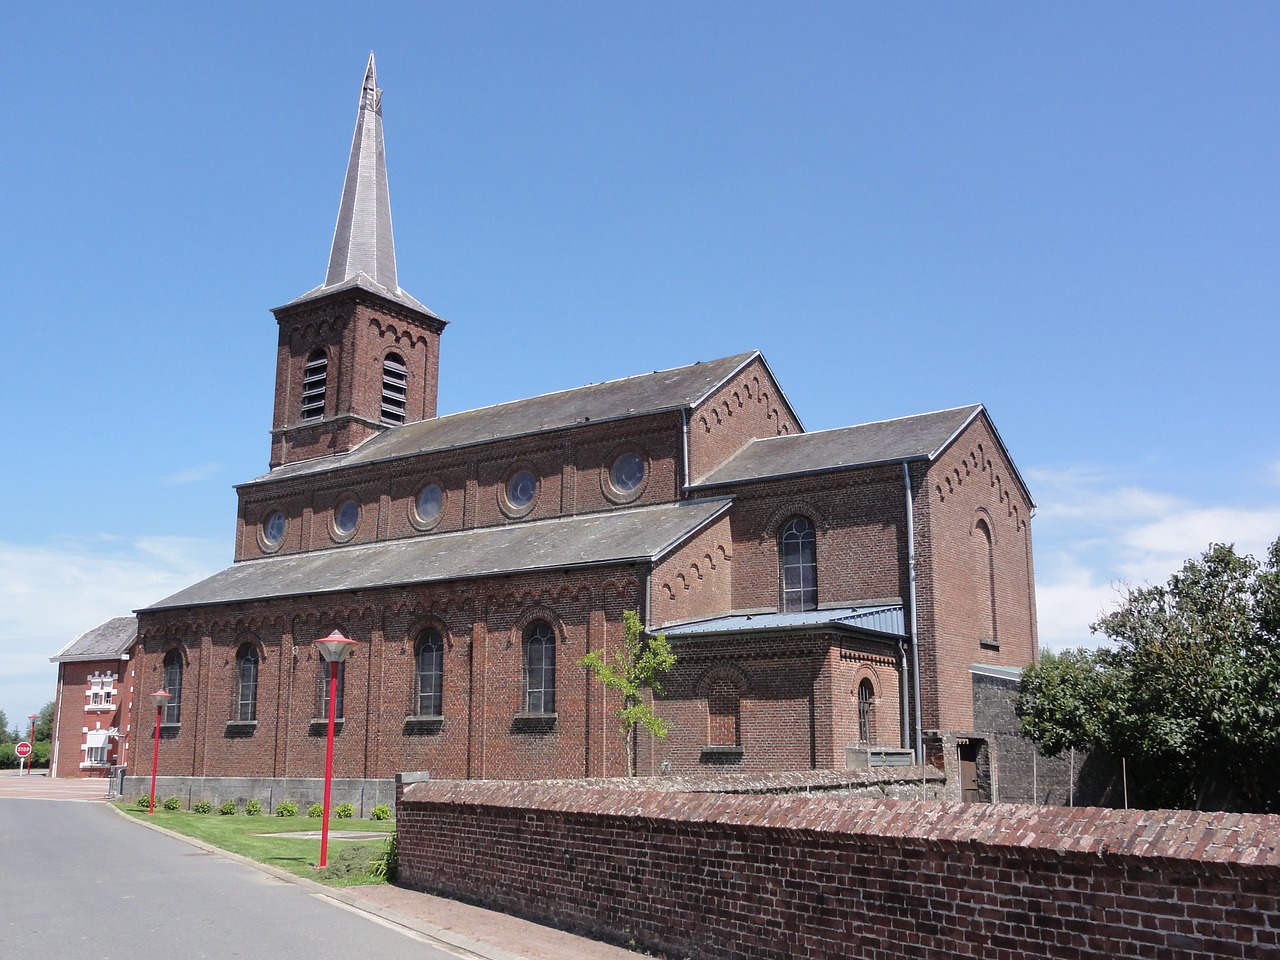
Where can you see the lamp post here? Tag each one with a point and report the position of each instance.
(159, 698)
(335, 648)
(33, 718)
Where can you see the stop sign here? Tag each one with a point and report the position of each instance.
(23, 749)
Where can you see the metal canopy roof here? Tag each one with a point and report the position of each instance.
(885, 619)
(641, 534)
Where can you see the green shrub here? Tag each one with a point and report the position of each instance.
(172, 803)
(287, 809)
(202, 806)
(315, 810)
(227, 808)
(144, 803)
(253, 808)
(382, 812)
(345, 811)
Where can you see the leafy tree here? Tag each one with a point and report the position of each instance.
(1189, 692)
(637, 667)
(44, 725)
(5, 735)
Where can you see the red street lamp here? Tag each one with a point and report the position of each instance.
(159, 698)
(33, 718)
(334, 648)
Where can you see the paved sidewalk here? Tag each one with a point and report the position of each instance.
(462, 929)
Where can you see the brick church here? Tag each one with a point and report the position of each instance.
(828, 595)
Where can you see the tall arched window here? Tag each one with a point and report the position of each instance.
(247, 683)
(798, 556)
(428, 660)
(315, 377)
(866, 697)
(172, 712)
(395, 388)
(324, 689)
(539, 668)
(986, 563)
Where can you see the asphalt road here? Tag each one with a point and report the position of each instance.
(79, 882)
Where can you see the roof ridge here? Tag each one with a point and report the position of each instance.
(869, 423)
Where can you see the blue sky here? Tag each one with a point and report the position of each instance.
(1068, 212)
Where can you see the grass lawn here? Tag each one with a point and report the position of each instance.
(259, 838)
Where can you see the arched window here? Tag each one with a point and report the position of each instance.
(428, 656)
(172, 712)
(723, 714)
(247, 683)
(539, 668)
(315, 377)
(798, 554)
(866, 695)
(986, 563)
(324, 688)
(395, 388)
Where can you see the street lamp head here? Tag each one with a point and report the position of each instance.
(160, 698)
(335, 647)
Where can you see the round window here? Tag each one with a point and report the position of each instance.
(627, 472)
(273, 528)
(429, 503)
(521, 488)
(346, 517)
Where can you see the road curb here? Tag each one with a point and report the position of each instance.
(446, 939)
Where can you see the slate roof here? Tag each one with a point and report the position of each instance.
(364, 251)
(106, 641)
(655, 392)
(921, 437)
(882, 618)
(640, 534)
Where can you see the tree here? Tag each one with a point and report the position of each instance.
(1189, 693)
(5, 735)
(44, 725)
(637, 667)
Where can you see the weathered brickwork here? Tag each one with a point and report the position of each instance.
(975, 584)
(357, 331)
(750, 405)
(696, 581)
(717, 876)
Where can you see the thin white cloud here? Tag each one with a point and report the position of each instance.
(193, 474)
(51, 593)
(1093, 536)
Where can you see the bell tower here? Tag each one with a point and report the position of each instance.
(357, 355)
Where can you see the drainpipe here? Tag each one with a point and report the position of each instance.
(684, 451)
(911, 579)
(904, 694)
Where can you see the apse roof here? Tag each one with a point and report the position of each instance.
(631, 396)
(106, 641)
(640, 534)
(920, 437)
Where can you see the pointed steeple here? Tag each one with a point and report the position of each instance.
(364, 250)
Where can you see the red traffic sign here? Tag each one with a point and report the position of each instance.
(23, 749)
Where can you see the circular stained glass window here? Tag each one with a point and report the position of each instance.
(346, 517)
(429, 502)
(521, 488)
(627, 472)
(273, 528)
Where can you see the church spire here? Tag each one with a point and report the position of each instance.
(362, 240)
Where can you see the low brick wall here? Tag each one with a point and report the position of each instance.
(710, 875)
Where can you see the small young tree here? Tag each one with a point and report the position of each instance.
(638, 666)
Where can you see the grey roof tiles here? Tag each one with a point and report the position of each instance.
(647, 393)
(920, 437)
(106, 641)
(639, 534)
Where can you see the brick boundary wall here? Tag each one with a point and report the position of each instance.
(709, 875)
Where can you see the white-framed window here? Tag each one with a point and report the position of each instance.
(96, 748)
(101, 694)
